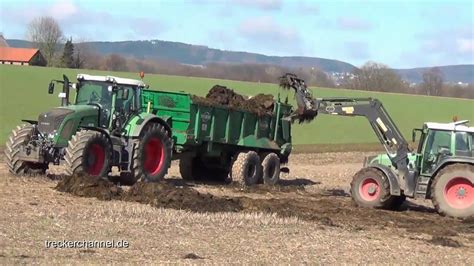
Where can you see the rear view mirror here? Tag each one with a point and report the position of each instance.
(51, 88)
(413, 133)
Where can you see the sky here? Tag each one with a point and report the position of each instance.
(401, 34)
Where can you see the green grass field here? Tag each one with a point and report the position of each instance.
(23, 95)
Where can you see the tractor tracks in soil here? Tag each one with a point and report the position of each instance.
(330, 208)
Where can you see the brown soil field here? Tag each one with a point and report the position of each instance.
(308, 218)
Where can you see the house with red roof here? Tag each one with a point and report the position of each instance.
(21, 56)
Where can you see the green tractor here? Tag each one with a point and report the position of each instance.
(441, 169)
(117, 122)
(104, 126)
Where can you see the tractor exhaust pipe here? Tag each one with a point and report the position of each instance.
(65, 99)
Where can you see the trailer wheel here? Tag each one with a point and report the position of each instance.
(371, 188)
(187, 168)
(271, 169)
(453, 191)
(152, 155)
(88, 152)
(246, 168)
(18, 137)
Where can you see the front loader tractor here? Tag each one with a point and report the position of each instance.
(441, 169)
(105, 125)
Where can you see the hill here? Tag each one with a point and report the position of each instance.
(200, 55)
(454, 73)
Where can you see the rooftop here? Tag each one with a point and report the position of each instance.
(17, 54)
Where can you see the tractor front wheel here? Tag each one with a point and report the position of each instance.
(246, 168)
(452, 191)
(371, 188)
(88, 153)
(21, 135)
(152, 155)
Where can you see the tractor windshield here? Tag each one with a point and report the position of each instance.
(94, 92)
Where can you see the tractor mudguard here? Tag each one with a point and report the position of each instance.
(137, 123)
(101, 130)
(392, 178)
(450, 160)
(32, 122)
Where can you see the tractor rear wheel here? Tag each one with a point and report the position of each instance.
(18, 137)
(246, 168)
(452, 191)
(371, 188)
(88, 153)
(152, 155)
(271, 169)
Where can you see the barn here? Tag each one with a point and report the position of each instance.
(21, 56)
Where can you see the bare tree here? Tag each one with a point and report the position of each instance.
(46, 34)
(374, 76)
(433, 81)
(115, 62)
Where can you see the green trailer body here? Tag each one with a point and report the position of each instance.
(210, 130)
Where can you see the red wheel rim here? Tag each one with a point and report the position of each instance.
(369, 189)
(95, 159)
(459, 193)
(153, 156)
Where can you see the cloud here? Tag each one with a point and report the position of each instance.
(465, 45)
(260, 4)
(63, 9)
(308, 8)
(82, 23)
(266, 28)
(447, 46)
(265, 32)
(353, 24)
(357, 50)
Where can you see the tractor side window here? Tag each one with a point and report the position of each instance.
(124, 103)
(441, 142)
(438, 144)
(463, 142)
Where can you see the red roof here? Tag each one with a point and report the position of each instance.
(16, 54)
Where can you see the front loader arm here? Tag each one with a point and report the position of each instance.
(385, 129)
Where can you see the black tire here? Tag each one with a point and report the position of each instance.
(152, 156)
(20, 136)
(187, 168)
(88, 153)
(246, 168)
(193, 169)
(452, 191)
(125, 178)
(271, 169)
(371, 188)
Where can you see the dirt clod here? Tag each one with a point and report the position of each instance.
(445, 241)
(182, 198)
(192, 256)
(89, 186)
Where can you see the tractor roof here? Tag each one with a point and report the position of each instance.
(117, 80)
(455, 126)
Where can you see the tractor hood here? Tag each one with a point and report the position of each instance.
(51, 121)
(383, 159)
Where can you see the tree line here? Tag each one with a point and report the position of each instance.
(47, 35)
